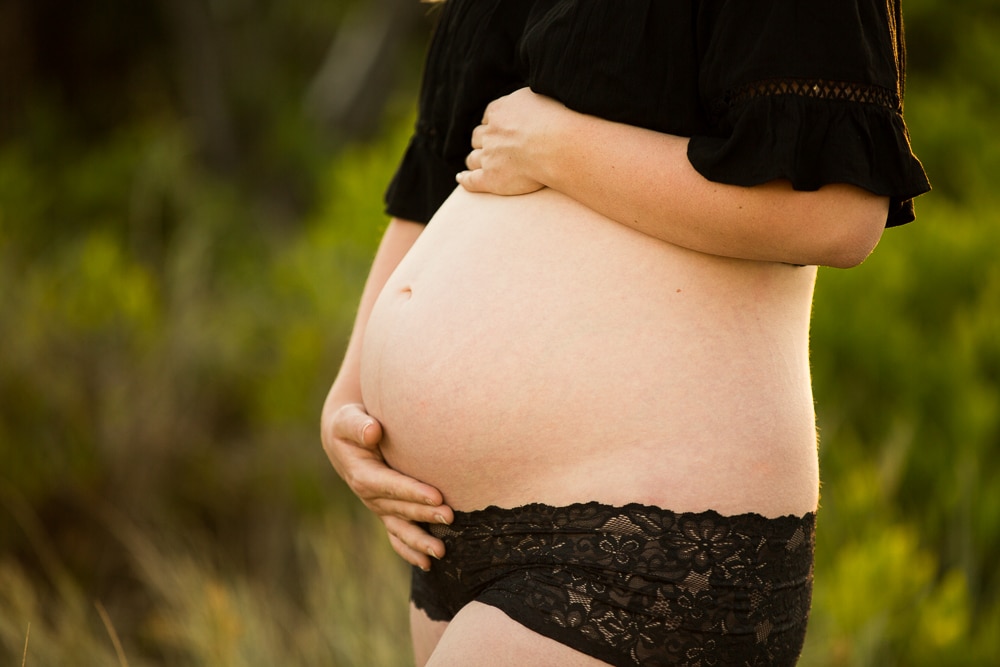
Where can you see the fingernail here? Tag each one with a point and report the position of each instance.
(430, 552)
(364, 430)
(440, 519)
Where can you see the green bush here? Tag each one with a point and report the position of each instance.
(168, 359)
(907, 380)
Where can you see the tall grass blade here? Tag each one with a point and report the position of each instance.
(24, 658)
(109, 626)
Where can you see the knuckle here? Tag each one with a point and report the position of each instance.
(343, 419)
(386, 491)
(360, 483)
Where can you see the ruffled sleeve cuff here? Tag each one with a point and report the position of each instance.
(814, 142)
(421, 184)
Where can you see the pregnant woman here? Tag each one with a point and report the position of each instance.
(578, 390)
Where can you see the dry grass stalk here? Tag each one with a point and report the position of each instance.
(24, 658)
(111, 633)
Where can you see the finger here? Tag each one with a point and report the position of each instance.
(477, 136)
(492, 107)
(414, 537)
(471, 180)
(411, 511)
(474, 160)
(411, 556)
(352, 423)
(371, 432)
(374, 481)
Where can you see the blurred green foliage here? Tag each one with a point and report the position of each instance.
(170, 323)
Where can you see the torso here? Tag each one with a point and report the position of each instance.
(528, 349)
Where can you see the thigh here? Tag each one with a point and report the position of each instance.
(425, 634)
(484, 636)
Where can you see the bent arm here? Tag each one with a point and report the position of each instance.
(643, 179)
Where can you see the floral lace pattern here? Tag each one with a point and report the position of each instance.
(633, 585)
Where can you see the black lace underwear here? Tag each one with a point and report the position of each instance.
(633, 585)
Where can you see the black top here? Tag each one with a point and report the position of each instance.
(804, 90)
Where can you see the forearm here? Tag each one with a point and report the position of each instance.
(399, 236)
(644, 180)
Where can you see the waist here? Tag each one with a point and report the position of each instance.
(528, 349)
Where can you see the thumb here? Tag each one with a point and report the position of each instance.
(352, 423)
(371, 432)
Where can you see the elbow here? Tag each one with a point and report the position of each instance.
(855, 228)
(854, 248)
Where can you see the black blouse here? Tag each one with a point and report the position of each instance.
(804, 90)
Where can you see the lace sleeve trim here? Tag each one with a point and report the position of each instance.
(824, 89)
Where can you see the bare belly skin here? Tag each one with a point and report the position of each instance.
(528, 349)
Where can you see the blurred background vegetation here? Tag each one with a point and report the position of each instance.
(190, 194)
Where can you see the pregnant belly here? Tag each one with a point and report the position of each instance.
(528, 349)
